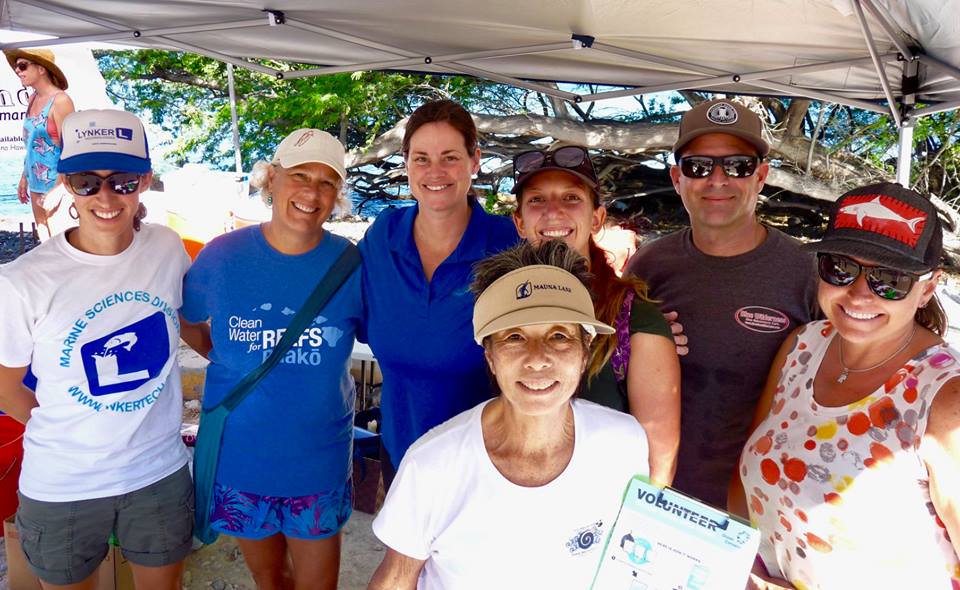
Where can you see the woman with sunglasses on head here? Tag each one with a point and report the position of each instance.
(282, 483)
(48, 106)
(852, 473)
(635, 370)
(93, 312)
(417, 265)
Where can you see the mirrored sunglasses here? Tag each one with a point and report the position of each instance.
(570, 157)
(887, 283)
(733, 166)
(85, 184)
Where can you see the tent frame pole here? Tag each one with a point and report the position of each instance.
(125, 30)
(891, 31)
(905, 139)
(784, 89)
(741, 78)
(881, 71)
(426, 60)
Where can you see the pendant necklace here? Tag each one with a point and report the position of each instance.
(845, 370)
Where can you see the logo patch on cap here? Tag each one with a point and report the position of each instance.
(882, 215)
(524, 290)
(304, 138)
(722, 113)
(125, 133)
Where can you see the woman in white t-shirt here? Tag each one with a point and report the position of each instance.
(522, 490)
(94, 312)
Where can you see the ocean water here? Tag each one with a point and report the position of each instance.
(10, 171)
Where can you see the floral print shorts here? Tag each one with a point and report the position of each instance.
(252, 516)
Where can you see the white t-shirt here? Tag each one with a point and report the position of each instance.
(451, 507)
(102, 334)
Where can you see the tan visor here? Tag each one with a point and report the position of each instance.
(537, 294)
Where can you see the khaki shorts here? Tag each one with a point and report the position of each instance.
(65, 541)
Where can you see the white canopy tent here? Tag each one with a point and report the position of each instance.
(881, 55)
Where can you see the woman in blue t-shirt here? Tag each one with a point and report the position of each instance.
(417, 267)
(283, 485)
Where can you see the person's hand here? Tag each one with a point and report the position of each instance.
(679, 338)
(22, 193)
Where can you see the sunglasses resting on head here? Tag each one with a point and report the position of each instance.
(886, 283)
(85, 184)
(571, 157)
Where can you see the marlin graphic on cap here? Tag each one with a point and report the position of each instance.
(877, 210)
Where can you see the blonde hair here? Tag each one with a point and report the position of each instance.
(260, 179)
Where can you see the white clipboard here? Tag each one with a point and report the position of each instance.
(666, 540)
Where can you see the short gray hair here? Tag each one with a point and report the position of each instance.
(260, 177)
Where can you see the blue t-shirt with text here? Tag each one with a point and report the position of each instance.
(422, 332)
(292, 435)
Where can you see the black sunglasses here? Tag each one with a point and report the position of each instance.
(733, 166)
(886, 283)
(571, 157)
(22, 65)
(85, 184)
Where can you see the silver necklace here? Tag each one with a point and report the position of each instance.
(845, 370)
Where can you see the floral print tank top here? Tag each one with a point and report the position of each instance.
(840, 494)
(41, 139)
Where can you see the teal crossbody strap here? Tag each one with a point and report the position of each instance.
(346, 263)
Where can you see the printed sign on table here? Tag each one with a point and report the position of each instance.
(665, 540)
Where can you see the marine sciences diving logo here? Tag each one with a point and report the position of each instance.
(722, 113)
(127, 358)
(524, 290)
(94, 132)
(882, 215)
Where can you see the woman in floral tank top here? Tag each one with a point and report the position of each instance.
(46, 109)
(852, 473)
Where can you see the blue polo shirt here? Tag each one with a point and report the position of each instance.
(420, 332)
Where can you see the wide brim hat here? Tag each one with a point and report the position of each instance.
(721, 116)
(39, 56)
(531, 295)
(885, 224)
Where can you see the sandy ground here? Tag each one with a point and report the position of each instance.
(220, 566)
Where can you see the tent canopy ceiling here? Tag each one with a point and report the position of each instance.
(647, 45)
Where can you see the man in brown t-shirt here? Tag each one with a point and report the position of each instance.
(739, 288)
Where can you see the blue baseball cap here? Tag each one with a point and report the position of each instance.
(103, 139)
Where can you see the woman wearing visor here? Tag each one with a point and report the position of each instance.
(853, 471)
(520, 491)
(94, 312)
(636, 369)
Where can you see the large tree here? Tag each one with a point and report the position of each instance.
(818, 149)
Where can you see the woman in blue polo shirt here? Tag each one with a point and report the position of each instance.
(417, 268)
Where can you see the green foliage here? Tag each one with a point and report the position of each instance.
(187, 95)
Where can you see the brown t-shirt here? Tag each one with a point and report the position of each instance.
(736, 311)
